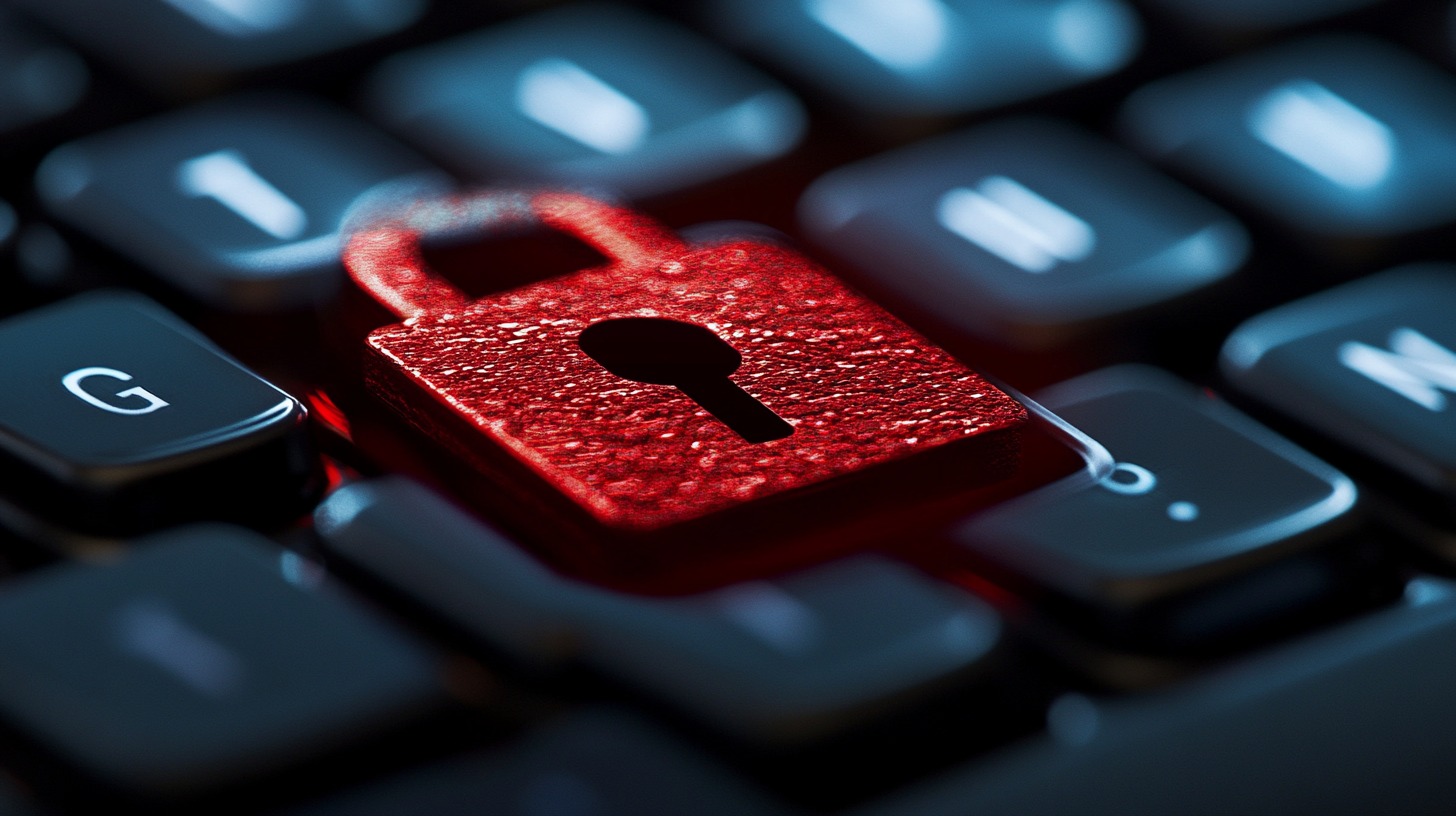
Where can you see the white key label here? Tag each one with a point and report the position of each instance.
(226, 176)
(74, 382)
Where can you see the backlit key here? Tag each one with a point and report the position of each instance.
(182, 44)
(120, 418)
(910, 58)
(1339, 138)
(1208, 523)
(595, 95)
(1026, 232)
(239, 202)
(1371, 365)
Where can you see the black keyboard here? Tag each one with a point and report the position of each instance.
(827, 406)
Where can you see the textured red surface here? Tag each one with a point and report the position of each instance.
(859, 387)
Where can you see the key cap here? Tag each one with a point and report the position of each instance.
(238, 202)
(898, 58)
(119, 418)
(38, 78)
(1369, 365)
(1209, 523)
(1341, 139)
(189, 44)
(794, 657)
(598, 762)
(595, 94)
(1351, 721)
(191, 663)
(1025, 231)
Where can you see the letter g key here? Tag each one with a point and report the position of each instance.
(73, 383)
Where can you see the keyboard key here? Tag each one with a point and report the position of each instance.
(38, 78)
(1338, 138)
(1369, 364)
(913, 58)
(1024, 231)
(238, 202)
(189, 44)
(595, 95)
(597, 762)
(1207, 523)
(468, 573)
(792, 657)
(120, 418)
(1350, 721)
(192, 663)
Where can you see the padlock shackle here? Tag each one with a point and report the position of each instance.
(385, 259)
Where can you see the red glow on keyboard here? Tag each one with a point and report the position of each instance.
(328, 414)
(637, 452)
(993, 594)
(336, 475)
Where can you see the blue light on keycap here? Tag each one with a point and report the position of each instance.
(576, 103)
(1326, 133)
(905, 36)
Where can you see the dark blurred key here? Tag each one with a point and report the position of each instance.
(1024, 232)
(192, 663)
(797, 656)
(1356, 720)
(38, 78)
(119, 418)
(238, 202)
(1241, 16)
(592, 763)
(188, 44)
(1369, 364)
(9, 234)
(1338, 138)
(1205, 509)
(594, 94)
(911, 58)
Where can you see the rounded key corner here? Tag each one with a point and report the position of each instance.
(64, 175)
(1110, 380)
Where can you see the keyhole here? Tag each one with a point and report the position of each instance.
(691, 358)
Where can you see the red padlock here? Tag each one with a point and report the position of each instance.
(682, 408)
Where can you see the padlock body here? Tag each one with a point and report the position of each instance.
(860, 389)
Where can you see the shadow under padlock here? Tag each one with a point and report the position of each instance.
(686, 415)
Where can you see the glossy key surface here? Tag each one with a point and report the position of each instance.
(181, 44)
(239, 203)
(1200, 497)
(1336, 136)
(1368, 363)
(588, 94)
(192, 663)
(121, 418)
(899, 58)
(796, 656)
(1023, 231)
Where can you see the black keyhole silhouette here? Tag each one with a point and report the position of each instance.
(696, 361)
